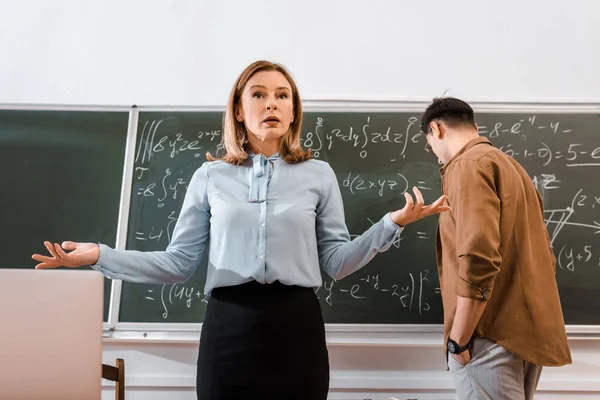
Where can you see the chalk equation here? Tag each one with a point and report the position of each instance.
(573, 155)
(169, 186)
(526, 138)
(162, 235)
(173, 144)
(357, 183)
(532, 129)
(174, 293)
(362, 137)
(520, 127)
(174, 185)
(409, 293)
(159, 234)
(572, 257)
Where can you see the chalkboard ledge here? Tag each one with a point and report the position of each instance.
(412, 339)
(337, 335)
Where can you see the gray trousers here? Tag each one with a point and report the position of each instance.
(494, 373)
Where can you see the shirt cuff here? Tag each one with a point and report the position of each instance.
(103, 249)
(390, 224)
(103, 260)
(471, 291)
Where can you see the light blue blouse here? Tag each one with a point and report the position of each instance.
(266, 220)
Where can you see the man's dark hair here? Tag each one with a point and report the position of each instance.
(449, 110)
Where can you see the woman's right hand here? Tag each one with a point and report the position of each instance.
(81, 254)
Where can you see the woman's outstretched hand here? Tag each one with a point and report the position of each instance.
(80, 254)
(415, 210)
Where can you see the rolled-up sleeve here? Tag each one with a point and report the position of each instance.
(476, 209)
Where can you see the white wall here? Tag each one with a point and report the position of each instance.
(157, 371)
(188, 52)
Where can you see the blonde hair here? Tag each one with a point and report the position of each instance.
(235, 135)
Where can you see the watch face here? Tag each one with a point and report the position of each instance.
(451, 347)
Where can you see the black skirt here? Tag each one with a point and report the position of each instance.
(263, 340)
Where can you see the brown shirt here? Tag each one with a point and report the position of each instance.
(493, 246)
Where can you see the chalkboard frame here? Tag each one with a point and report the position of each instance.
(337, 334)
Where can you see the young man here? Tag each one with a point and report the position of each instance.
(502, 315)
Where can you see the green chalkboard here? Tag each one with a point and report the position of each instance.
(377, 156)
(62, 180)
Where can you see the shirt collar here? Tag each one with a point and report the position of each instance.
(463, 150)
(272, 158)
(260, 163)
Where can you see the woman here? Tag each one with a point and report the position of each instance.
(273, 215)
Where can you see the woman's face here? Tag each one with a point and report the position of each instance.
(267, 107)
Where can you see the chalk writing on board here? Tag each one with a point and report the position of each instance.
(575, 155)
(168, 187)
(157, 233)
(357, 183)
(556, 219)
(546, 182)
(377, 157)
(570, 258)
(526, 130)
(362, 137)
(572, 155)
(518, 127)
(409, 293)
(173, 293)
(163, 235)
(174, 144)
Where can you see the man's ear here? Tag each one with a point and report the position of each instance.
(438, 130)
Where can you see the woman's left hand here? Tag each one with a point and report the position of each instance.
(415, 210)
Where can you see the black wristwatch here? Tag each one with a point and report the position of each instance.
(454, 348)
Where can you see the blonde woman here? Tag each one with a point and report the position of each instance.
(273, 216)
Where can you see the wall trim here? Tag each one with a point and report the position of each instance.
(380, 381)
(541, 105)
